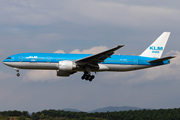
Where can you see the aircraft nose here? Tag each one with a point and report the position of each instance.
(5, 62)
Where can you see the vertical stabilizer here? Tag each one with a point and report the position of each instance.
(156, 49)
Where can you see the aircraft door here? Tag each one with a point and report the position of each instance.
(20, 58)
(135, 61)
(48, 59)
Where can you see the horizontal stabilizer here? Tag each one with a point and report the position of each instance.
(162, 59)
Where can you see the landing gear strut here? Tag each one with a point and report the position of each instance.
(87, 76)
(17, 70)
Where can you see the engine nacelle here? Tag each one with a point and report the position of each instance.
(66, 65)
(63, 73)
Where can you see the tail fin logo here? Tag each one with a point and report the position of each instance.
(156, 49)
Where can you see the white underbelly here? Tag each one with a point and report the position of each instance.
(54, 66)
(121, 68)
(34, 65)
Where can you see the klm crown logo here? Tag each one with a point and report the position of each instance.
(155, 48)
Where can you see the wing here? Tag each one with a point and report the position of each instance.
(97, 58)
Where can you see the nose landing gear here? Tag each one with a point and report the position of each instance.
(17, 70)
(87, 76)
(18, 74)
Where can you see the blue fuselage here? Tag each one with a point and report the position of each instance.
(51, 61)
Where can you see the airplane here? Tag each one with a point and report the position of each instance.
(67, 64)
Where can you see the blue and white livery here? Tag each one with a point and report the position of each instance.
(68, 64)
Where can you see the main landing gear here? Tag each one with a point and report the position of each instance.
(88, 76)
(17, 70)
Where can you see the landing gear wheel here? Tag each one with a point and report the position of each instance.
(87, 76)
(91, 78)
(18, 74)
(83, 77)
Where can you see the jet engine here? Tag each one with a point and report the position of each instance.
(66, 68)
(66, 65)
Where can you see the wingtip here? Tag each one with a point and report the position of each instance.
(120, 45)
(173, 56)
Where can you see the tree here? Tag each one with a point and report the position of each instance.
(1, 116)
(35, 116)
(25, 113)
(42, 116)
(90, 118)
(22, 118)
(51, 118)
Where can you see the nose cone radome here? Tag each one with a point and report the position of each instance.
(6, 62)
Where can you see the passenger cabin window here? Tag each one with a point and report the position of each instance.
(8, 58)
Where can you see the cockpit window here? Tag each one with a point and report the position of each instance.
(8, 58)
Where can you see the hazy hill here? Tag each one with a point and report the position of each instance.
(72, 110)
(112, 109)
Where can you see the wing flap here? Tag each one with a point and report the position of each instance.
(162, 59)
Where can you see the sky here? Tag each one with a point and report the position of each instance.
(84, 26)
